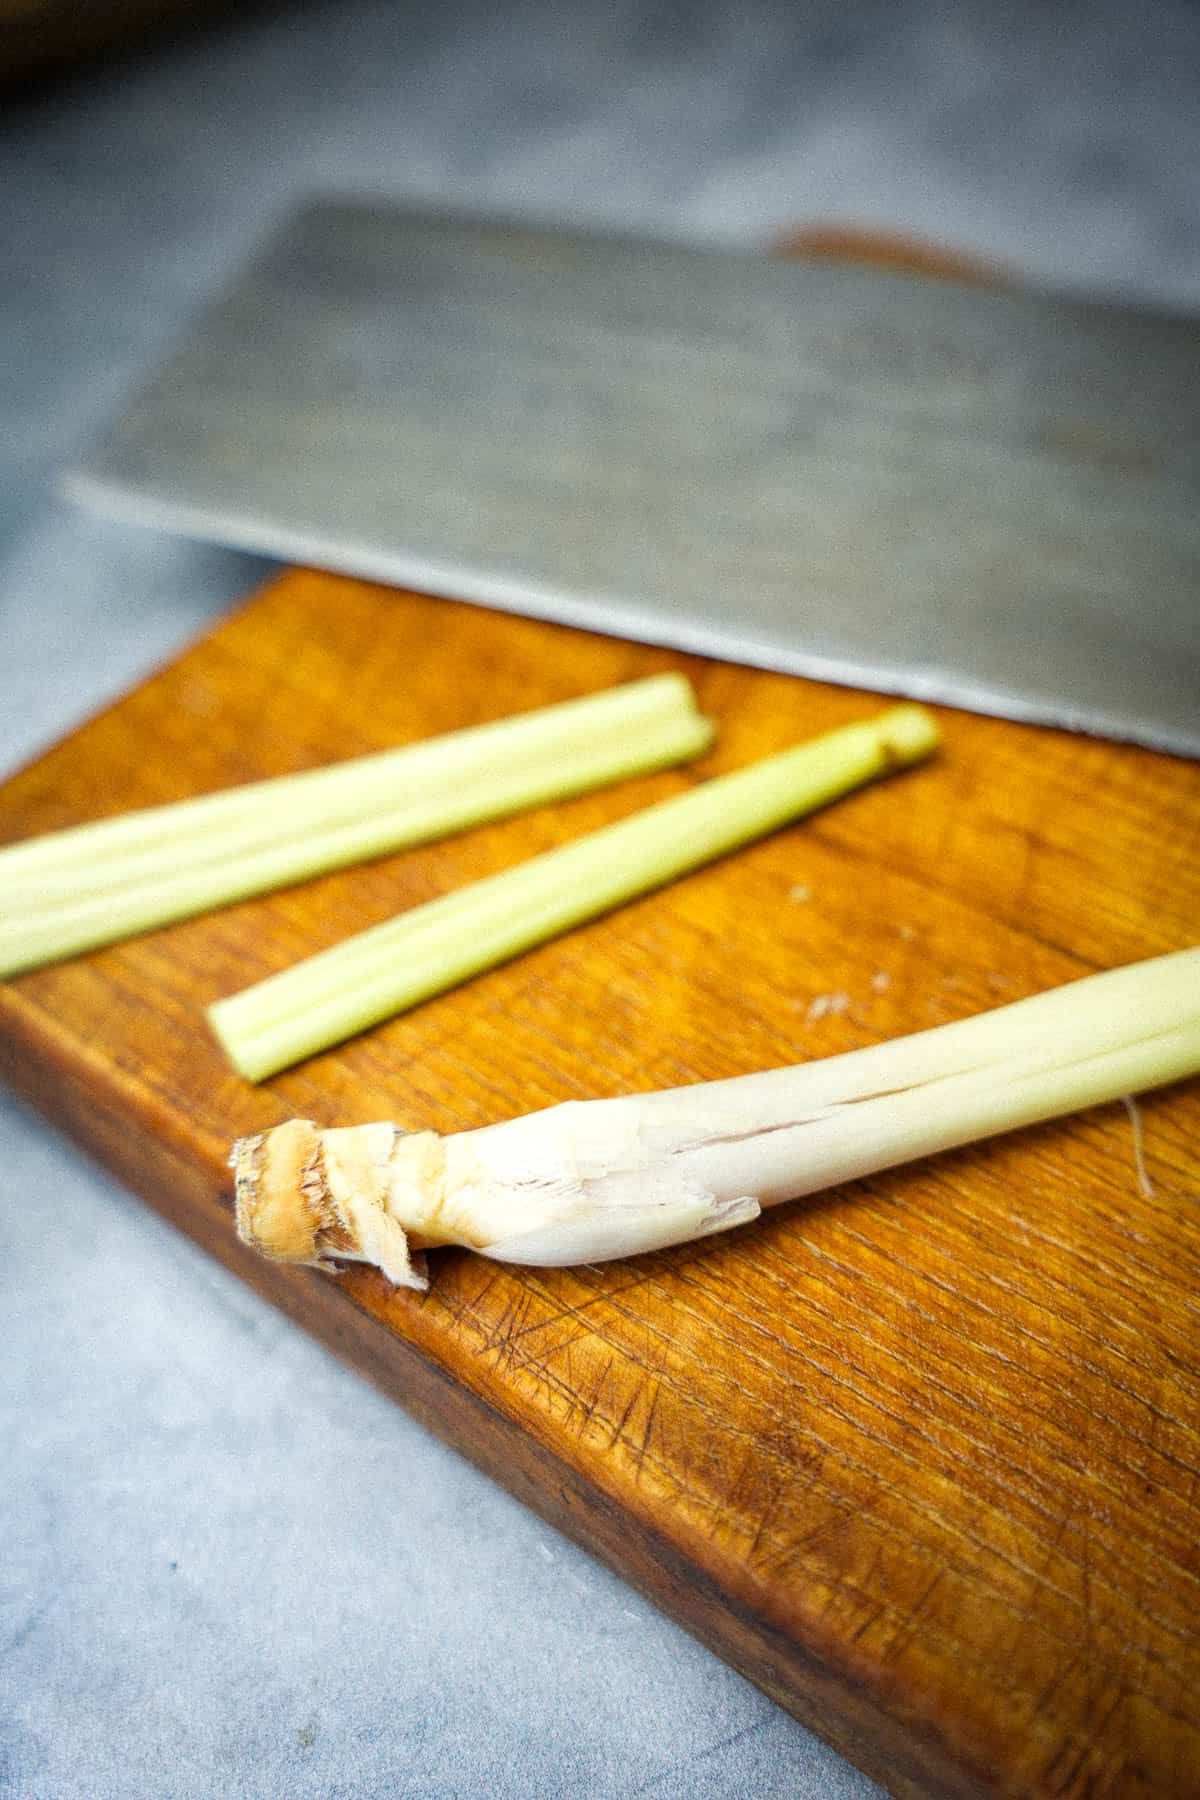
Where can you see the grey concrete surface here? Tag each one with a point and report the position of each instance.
(229, 1567)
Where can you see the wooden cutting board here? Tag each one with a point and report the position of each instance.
(919, 1456)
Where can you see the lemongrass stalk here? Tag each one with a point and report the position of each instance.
(67, 926)
(333, 793)
(395, 965)
(590, 1180)
(146, 869)
(426, 809)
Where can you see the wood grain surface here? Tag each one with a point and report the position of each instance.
(918, 1456)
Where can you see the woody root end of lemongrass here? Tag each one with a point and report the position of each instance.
(591, 1180)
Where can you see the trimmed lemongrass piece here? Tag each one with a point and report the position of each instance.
(335, 792)
(408, 959)
(377, 813)
(590, 1180)
(216, 860)
(80, 923)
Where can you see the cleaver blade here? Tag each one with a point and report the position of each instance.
(984, 498)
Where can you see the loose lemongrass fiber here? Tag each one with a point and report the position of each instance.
(94, 884)
(586, 1181)
(409, 959)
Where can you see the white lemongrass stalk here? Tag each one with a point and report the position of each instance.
(93, 884)
(433, 947)
(590, 1180)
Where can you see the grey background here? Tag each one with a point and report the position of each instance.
(172, 1618)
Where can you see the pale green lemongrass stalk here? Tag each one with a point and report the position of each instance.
(333, 793)
(97, 883)
(590, 1180)
(395, 965)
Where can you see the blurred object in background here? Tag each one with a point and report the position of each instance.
(896, 251)
(48, 37)
(906, 485)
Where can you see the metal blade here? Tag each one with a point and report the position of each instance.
(990, 499)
